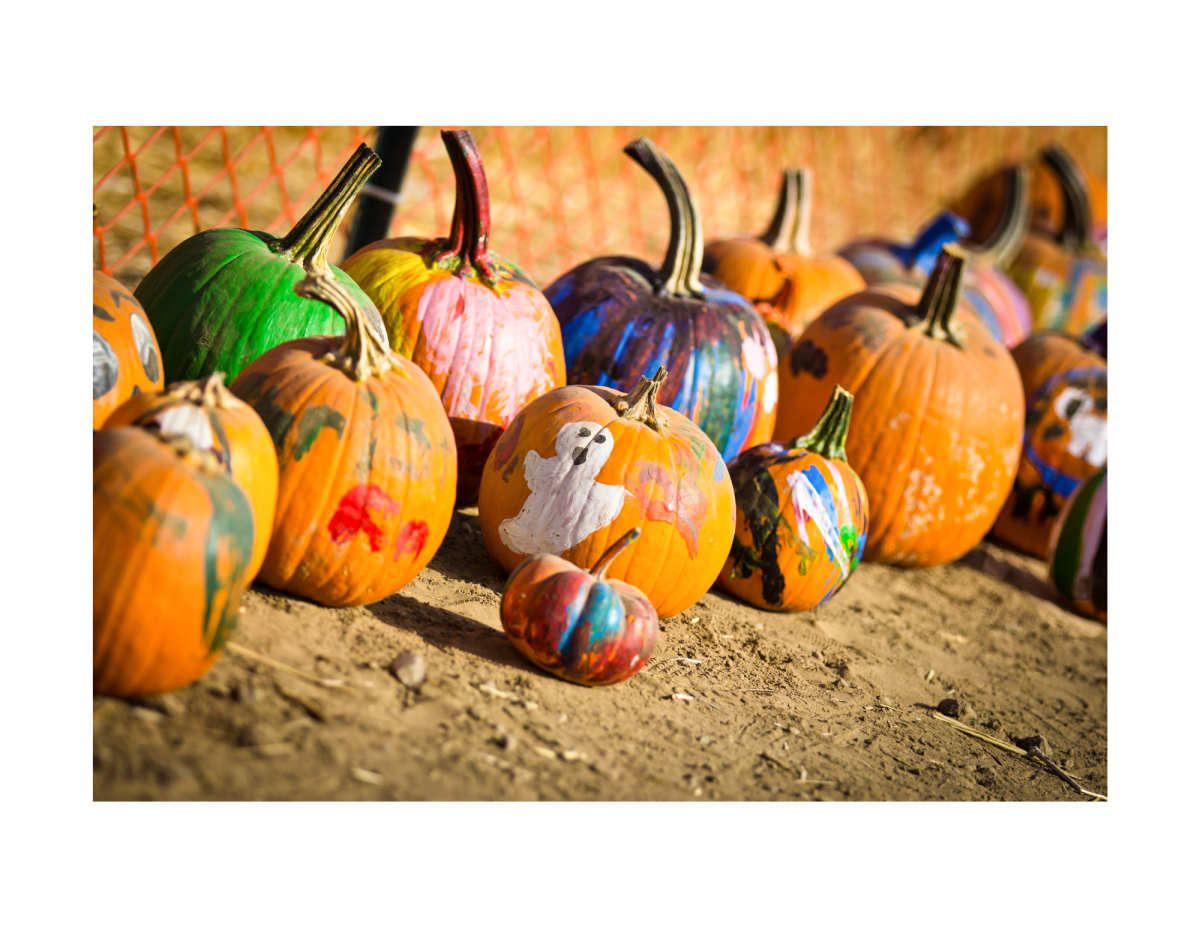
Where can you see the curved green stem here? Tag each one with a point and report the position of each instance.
(1077, 223)
(1004, 243)
(363, 352)
(471, 226)
(641, 403)
(939, 299)
(613, 552)
(679, 275)
(788, 232)
(828, 436)
(307, 244)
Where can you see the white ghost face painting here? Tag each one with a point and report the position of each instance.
(565, 503)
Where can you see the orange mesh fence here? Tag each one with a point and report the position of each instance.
(559, 196)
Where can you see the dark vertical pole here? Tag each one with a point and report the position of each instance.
(378, 199)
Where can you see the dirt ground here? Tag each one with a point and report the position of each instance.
(834, 704)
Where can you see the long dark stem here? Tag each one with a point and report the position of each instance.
(308, 242)
(939, 299)
(472, 222)
(1004, 243)
(680, 272)
(1077, 223)
(364, 352)
(828, 436)
(614, 551)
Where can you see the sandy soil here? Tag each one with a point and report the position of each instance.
(834, 704)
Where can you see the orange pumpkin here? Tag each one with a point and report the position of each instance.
(216, 420)
(366, 460)
(125, 355)
(582, 465)
(1066, 435)
(938, 405)
(172, 536)
(780, 272)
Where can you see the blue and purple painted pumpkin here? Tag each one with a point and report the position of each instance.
(621, 319)
(577, 624)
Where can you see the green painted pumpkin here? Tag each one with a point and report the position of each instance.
(223, 297)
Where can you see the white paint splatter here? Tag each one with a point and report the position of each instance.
(188, 420)
(1089, 431)
(770, 392)
(809, 507)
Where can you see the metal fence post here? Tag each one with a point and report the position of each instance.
(379, 197)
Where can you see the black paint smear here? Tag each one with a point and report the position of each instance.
(1053, 430)
(1024, 496)
(1100, 572)
(1072, 408)
(758, 501)
(249, 389)
(101, 313)
(807, 356)
(578, 455)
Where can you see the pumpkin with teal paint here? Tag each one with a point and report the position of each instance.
(125, 355)
(366, 460)
(473, 322)
(224, 296)
(802, 517)
(1078, 557)
(622, 319)
(172, 537)
(577, 623)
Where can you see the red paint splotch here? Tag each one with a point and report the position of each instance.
(353, 514)
(412, 539)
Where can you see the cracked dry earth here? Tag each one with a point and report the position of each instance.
(737, 703)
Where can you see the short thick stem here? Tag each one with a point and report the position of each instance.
(679, 275)
(471, 226)
(614, 551)
(1077, 223)
(308, 243)
(939, 299)
(641, 404)
(789, 228)
(828, 436)
(203, 459)
(363, 353)
(210, 390)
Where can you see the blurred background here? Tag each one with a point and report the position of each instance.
(559, 195)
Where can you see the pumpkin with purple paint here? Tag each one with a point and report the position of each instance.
(582, 465)
(366, 460)
(125, 355)
(1078, 557)
(577, 623)
(802, 517)
(788, 281)
(622, 319)
(473, 322)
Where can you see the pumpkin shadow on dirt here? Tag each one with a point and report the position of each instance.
(1002, 568)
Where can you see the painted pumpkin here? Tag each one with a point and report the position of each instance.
(576, 623)
(1066, 435)
(802, 517)
(221, 298)
(787, 280)
(125, 355)
(621, 319)
(582, 465)
(474, 322)
(1078, 557)
(366, 460)
(936, 433)
(1096, 338)
(172, 537)
(216, 420)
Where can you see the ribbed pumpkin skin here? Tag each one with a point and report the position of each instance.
(244, 442)
(1078, 556)
(125, 353)
(170, 550)
(366, 473)
(222, 297)
(782, 559)
(936, 432)
(718, 352)
(489, 352)
(1067, 289)
(789, 290)
(1066, 436)
(672, 484)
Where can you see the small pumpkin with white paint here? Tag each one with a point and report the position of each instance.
(578, 624)
(1078, 557)
(366, 460)
(125, 356)
(473, 322)
(214, 419)
(802, 517)
(582, 465)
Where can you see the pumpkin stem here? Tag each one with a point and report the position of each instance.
(611, 554)
(788, 232)
(209, 390)
(828, 436)
(939, 299)
(308, 243)
(640, 405)
(467, 245)
(204, 459)
(189, 408)
(679, 275)
(1006, 240)
(1077, 224)
(363, 352)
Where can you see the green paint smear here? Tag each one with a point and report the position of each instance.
(311, 422)
(232, 523)
(415, 429)
(278, 420)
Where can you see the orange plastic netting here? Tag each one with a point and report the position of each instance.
(559, 195)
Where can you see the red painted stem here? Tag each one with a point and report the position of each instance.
(472, 222)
